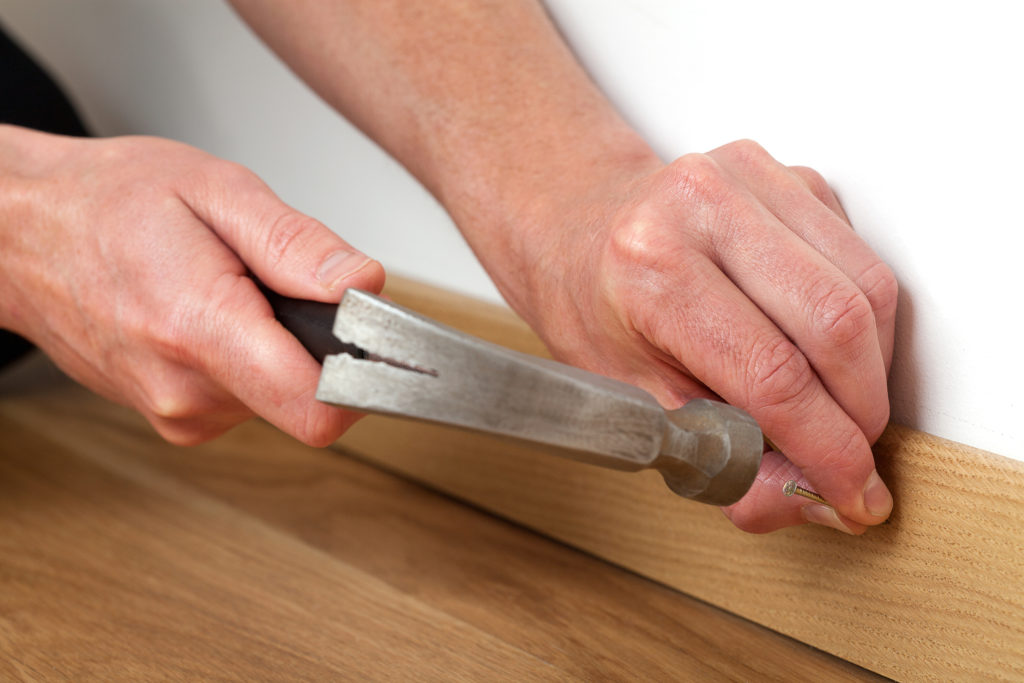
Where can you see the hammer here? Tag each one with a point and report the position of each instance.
(381, 358)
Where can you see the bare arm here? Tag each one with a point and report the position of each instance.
(723, 273)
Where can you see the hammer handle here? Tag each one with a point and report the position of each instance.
(311, 322)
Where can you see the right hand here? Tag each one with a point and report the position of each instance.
(127, 260)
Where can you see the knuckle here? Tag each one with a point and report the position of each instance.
(286, 234)
(697, 177)
(220, 182)
(745, 156)
(318, 439)
(231, 173)
(717, 210)
(179, 437)
(191, 433)
(814, 181)
(748, 151)
(843, 317)
(320, 428)
(640, 241)
(169, 406)
(838, 459)
(881, 288)
(171, 334)
(166, 402)
(180, 162)
(646, 255)
(780, 375)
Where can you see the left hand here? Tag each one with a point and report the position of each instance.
(729, 275)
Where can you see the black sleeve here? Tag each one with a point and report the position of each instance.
(30, 97)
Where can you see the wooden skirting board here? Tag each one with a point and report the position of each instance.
(935, 594)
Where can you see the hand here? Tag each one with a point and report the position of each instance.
(127, 260)
(730, 275)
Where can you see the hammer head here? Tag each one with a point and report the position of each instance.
(397, 362)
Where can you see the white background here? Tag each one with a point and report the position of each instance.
(912, 110)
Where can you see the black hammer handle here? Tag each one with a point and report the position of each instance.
(311, 322)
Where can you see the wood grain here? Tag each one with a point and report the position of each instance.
(256, 558)
(936, 594)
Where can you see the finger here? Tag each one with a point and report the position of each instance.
(852, 255)
(820, 310)
(818, 186)
(807, 297)
(292, 253)
(801, 199)
(194, 431)
(766, 508)
(267, 369)
(732, 347)
(184, 406)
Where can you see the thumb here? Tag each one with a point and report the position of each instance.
(290, 252)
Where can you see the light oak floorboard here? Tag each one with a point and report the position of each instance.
(256, 558)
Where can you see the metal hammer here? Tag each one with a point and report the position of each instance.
(381, 358)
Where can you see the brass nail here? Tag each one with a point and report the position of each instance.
(791, 487)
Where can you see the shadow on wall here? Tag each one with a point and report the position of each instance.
(904, 377)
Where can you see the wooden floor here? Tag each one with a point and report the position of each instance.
(256, 558)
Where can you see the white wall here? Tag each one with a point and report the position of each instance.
(912, 110)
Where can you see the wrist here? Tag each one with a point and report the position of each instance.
(541, 204)
(539, 231)
(25, 156)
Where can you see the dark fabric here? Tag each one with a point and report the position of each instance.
(12, 347)
(30, 98)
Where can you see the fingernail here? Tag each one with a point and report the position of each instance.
(815, 513)
(877, 498)
(339, 265)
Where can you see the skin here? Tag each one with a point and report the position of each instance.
(126, 260)
(725, 274)
(722, 274)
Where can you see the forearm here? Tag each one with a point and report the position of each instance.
(482, 101)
